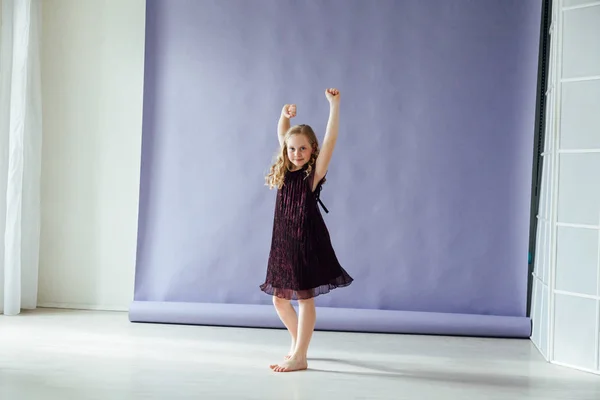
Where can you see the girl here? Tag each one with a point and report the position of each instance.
(302, 263)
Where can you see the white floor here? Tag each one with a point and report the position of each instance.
(72, 355)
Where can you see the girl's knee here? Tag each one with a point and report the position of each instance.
(307, 302)
(278, 301)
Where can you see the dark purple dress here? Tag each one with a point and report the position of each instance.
(302, 263)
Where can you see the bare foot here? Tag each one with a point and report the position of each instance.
(292, 364)
(292, 349)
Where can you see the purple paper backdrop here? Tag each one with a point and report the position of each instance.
(429, 186)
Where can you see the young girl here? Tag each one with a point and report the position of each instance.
(302, 263)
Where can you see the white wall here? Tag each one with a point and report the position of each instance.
(566, 309)
(92, 73)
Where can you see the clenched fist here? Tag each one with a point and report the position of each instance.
(289, 111)
(333, 95)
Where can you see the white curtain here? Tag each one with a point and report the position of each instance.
(20, 153)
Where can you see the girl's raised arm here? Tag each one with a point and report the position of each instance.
(288, 111)
(331, 134)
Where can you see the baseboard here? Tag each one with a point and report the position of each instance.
(575, 367)
(91, 307)
(543, 354)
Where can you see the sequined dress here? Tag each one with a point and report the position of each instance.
(302, 262)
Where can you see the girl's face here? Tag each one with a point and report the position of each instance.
(299, 150)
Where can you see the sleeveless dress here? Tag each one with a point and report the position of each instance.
(302, 263)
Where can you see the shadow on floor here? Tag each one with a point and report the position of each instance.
(462, 378)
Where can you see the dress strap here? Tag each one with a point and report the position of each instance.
(318, 197)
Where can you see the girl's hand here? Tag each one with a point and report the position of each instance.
(289, 111)
(333, 95)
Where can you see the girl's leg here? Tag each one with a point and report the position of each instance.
(306, 326)
(288, 316)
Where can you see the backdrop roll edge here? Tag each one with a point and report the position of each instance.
(333, 319)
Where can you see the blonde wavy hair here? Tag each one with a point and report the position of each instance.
(276, 176)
